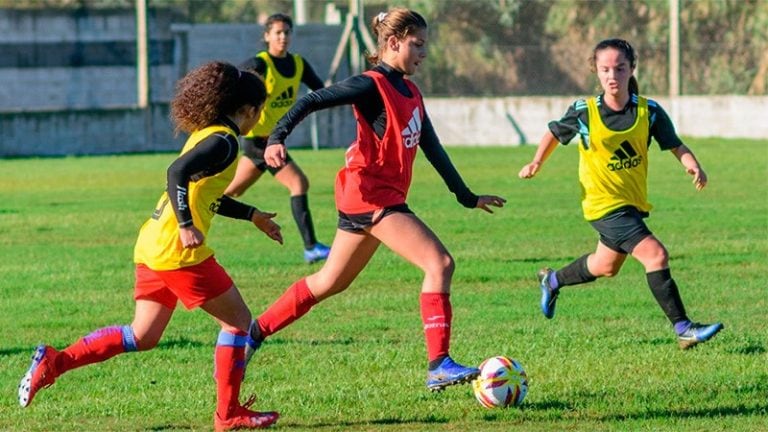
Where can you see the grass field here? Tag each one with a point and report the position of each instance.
(607, 362)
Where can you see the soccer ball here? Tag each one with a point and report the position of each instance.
(502, 383)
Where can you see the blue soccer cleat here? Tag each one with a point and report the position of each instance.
(318, 252)
(698, 333)
(450, 373)
(548, 295)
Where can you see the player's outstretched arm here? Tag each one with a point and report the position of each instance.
(692, 166)
(547, 145)
(264, 222)
(485, 202)
(274, 155)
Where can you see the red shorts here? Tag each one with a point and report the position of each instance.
(192, 285)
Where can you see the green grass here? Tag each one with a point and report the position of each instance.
(608, 361)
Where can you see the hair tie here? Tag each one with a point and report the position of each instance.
(381, 16)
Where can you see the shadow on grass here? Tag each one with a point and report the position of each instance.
(748, 349)
(172, 427)
(310, 342)
(425, 421)
(547, 405)
(761, 408)
(659, 341)
(180, 343)
(16, 350)
(186, 343)
(742, 348)
(428, 420)
(541, 260)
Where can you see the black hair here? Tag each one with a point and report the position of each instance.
(629, 54)
(212, 91)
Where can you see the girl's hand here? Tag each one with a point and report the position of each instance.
(699, 177)
(274, 155)
(529, 170)
(485, 202)
(264, 222)
(191, 237)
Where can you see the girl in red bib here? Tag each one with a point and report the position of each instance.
(372, 187)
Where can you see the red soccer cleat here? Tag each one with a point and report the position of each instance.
(41, 374)
(243, 418)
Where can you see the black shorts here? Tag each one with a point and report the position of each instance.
(253, 148)
(622, 229)
(357, 223)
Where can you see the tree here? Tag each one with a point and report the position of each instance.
(539, 47)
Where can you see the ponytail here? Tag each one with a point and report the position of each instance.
(633, 87)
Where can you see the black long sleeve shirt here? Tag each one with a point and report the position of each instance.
(208, 158)
(361, 92)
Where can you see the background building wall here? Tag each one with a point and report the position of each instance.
(87, 131)
(87, 59)
(69, 87)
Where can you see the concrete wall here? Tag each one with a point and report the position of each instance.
(81, 88)
(91, 131)
(521, 120)
(55, 60)
(458, 121)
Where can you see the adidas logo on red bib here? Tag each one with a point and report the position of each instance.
(412, 133)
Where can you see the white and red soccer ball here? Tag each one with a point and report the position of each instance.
(502, 382)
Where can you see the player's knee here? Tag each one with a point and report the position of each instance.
(442, 266)
(303, 182)
(297, 187)
(300, 186)
(658, 258)
(239, 321)
(662, 259)
(606, 270)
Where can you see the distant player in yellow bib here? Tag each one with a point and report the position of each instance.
(283, 74)
(615, 131)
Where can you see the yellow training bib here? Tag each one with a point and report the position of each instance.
(613, 165)
(158, 246)
(282, 93)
